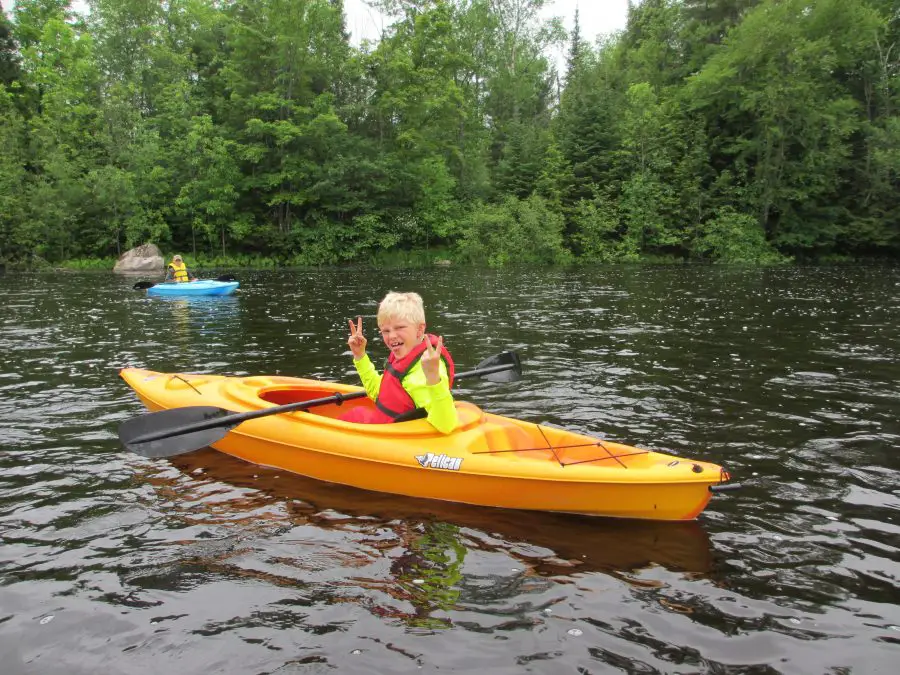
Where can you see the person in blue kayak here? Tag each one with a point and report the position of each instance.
(178, 271)
(418, 372)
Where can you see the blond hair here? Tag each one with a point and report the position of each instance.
(407, 306)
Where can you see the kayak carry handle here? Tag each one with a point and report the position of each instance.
(725, 487)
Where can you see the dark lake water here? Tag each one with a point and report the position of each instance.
(112, 563)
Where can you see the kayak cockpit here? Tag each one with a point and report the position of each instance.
(286, 395)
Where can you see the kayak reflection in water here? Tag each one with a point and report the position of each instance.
(177, 271)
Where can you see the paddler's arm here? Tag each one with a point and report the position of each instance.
(371, 378)
(435, 398)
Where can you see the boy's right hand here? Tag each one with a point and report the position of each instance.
(357, 341)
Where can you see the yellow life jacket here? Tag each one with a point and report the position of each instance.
(179, 271)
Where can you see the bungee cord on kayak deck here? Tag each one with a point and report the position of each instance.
(553, 449)
(549, 444)
(723, 473)
(186, 381)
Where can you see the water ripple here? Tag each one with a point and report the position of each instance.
(206, 564)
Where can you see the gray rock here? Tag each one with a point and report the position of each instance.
(145, 258)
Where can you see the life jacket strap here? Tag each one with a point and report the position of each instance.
(393, 414)
(414, 414)
(400, 374)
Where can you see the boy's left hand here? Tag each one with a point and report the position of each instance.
(431, 360)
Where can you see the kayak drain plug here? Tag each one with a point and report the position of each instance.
(697, 468)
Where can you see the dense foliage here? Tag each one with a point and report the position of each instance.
(723, 130)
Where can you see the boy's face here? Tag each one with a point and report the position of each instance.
(401, 335)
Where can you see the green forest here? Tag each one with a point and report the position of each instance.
(730, 131)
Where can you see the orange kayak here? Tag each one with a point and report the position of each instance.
(489, 460)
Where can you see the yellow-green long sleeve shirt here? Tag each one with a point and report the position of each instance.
(435, 398)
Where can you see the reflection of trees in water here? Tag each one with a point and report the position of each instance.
(428, 576)
(430, 571)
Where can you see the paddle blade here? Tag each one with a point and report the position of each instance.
(143, 285)
(131, 431)
(507, 365)
(226, 277)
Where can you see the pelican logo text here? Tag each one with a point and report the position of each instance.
(429, 459)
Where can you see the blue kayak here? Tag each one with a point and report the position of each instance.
(199, 287)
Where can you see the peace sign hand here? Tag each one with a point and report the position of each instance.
(357, 341)
(431, 360)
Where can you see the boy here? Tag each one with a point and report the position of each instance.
(419, 370)
(177, 270)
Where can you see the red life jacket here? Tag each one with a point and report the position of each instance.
(393, 400)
